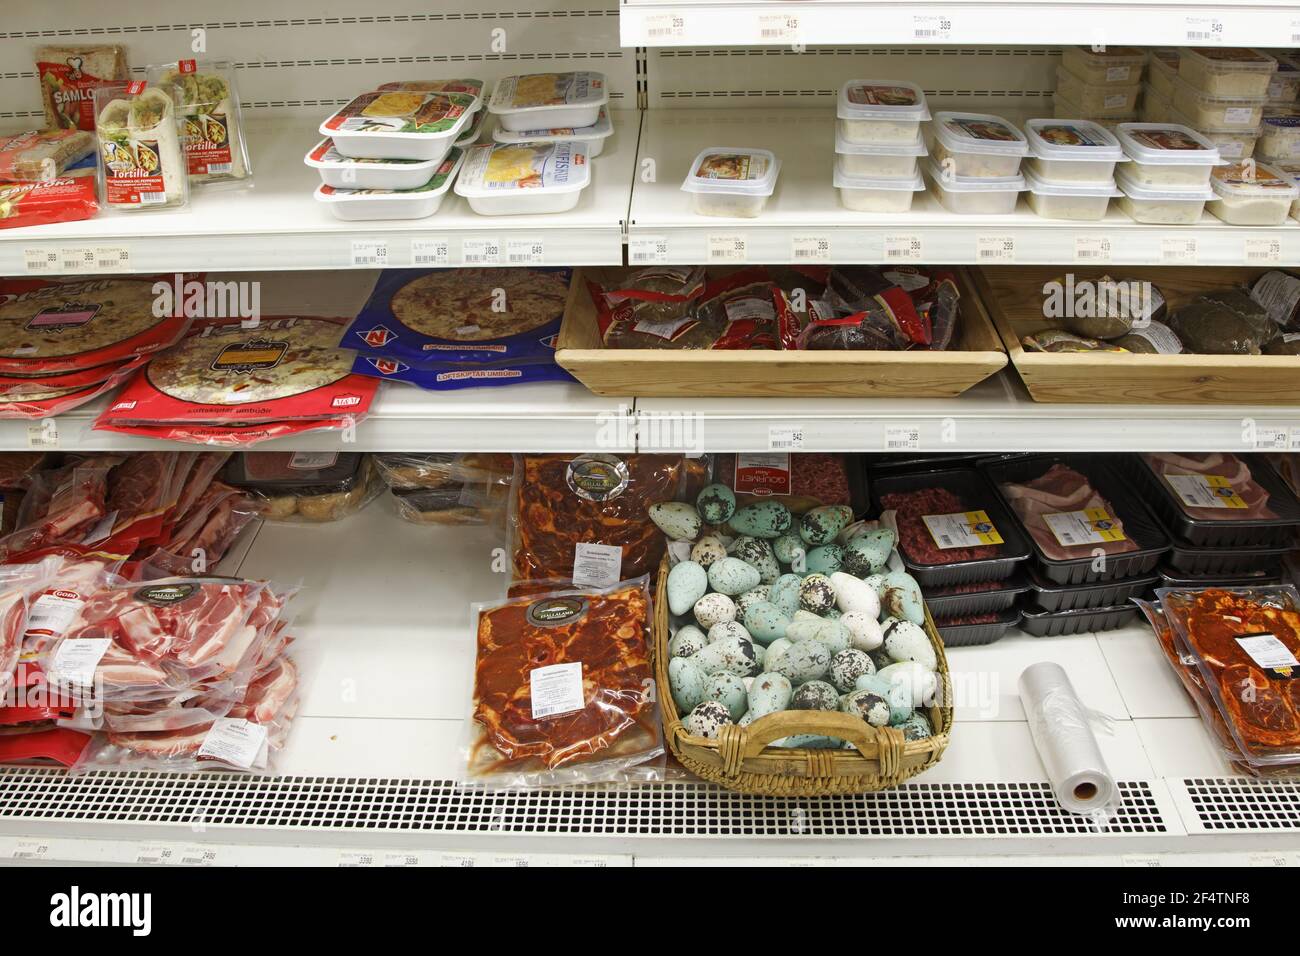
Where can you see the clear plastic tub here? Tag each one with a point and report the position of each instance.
(867, 194)
(1156, 107)
(1232, 144)
(1116, 67)
(880, 111)
(1284, 85)
(548, 100)
(879, 161)
(1212, 110)
(359, 205)
(343, 172)
(977, 146)
(1065, 108)
(1162, 70)
(1226, 71)
(1292, 172)
(1081, 202)
(1071, 152)
(1251, 194)
(1097, 100)
(975, 197)
(1166, 156)
(1162, 207)
(593, 136)
(1280, 137)
(520, 179)
(400, 125)
(732, 181)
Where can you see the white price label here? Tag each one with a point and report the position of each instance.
(1178, 250)
(597, 565)
(30, 850)
(665, 26)
(525, 252)
(481, 252)
(76, 259)
(236, 741)
(352, 858)
(778, 28)
(1203, 30)
(463, 860)
(1272, 438)
(556, 689)
(784, 437)
(1092, 249)
(1295, 438)
(727, 248)
(76, 660)
(902, 437)
(43, 434)
(902, 247)
(401, 859)
(932, 27)
(370, 252)
(197, 855)
(995, 248)
(509, 859)
(647, 250)
(1150, 862)
(810, 248)
(1263, 251)
(1270, 859)
(1268, 652)
(434, 251)
(41, 260)
(155, 854)
(112, 259)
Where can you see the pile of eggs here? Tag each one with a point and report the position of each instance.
(776, 611)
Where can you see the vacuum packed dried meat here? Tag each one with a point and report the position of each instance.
(653, 308)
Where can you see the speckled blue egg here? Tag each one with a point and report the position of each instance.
(768, 694)
(916, 727)
(766, 622)
(816, 594)
(677, 519)
(707, 550)
(716, 504)
(815, 695)
(713, 608)
(902, 597)
(784, 593)
(802, 662)
(825, 559)
(790, 548)
(732, 576)
(847, 666)
(757, 553)
(822, 525)
(735, 655)
(687, 583)
(868, 553)
(707, 718)
(686, 682)
(905, 641)
(688, 640)
(763, 519)
(872, 708)
(728, 690)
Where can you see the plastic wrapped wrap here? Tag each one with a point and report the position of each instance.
(653, 308)
(1061, 729)
(212, 126)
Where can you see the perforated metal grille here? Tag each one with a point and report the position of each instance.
(440, 806)
(1237, 804)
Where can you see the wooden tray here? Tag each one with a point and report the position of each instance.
(1013, 297)
(977, 354)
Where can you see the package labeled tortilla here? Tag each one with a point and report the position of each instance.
(38, 204)
(427, 316)
(142, 165)
(38, 156)
(563, 689)
(226, 384)
(652, 308)
(305, 485)
(70, 75)
(69, 325)
(455, 375)
(801, 482)
(212, 126)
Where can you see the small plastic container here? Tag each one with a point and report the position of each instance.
(867, 194)
(299, 474)
(962, 600)
(1284, 85)
(548, 100)
(1166, 156)
(1156, 106)
(212, 125)
(519, 179)
(1053, 597)
(878, 161)
(1171, 578)
(1162, 70)
(1190, 559)
(979, 145)
(1251, 194)
(1117, 66)
(1215, 111)
(1232, 143)
(732, 181)
(1071, 152)
(1065, 108)
(1226, 71)
(343, 172)
(880, 111)
(1291, 170)
(1078, 202)
(1102, 100)
(361, 205)
(976, 633)
(1040, 623)
(975, 197)
(593, 136)
(1162, 207)
(142, 163)
(400, 125)
(1280, 136)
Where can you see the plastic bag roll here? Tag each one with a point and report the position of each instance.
(1062, 733)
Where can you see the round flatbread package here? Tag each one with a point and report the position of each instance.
(430, 317)
(44, 401)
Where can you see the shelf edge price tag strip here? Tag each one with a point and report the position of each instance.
(728, 248)
(995, 249)
(481, 252)
(647, 250)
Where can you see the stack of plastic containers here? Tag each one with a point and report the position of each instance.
(974, 164)
(1221, 93)
(1070, 171)
(1158, 91)
(1167, 178)
(1099, 86)
(878, 144)
(1279, 140)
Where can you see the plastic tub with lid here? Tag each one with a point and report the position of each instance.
(1117, 66)
(1156, 107)
(1284, 86)
(878, 160)
(1065, 108)
(1166, 156)
(731, 181)
(1226, 71)
(1162, 70)
(364, 204)
(975, 197)
(593, 136)
(880, 111)
(1231, 143)
(1280, 137)
(977, 145)
(1216, 111)
(548, 100)
(1072, 152)
(344, 172)
(1251, 194)
(868, 194)
(1162, 207)
(520, 179)
(1086, 202)
(1292, 172)
(400, 125)
(1097, 100)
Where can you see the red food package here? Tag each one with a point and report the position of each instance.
(30, 403)
(916, 540)
(746, 306)
(801, 481)
(69, 199)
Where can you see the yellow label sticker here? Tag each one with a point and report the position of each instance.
(968, 529)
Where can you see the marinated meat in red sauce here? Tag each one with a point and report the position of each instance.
(1061, 489)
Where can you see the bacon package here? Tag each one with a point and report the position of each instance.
(564, 690)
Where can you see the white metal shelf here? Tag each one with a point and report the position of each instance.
(1118, 22)
(806, 212)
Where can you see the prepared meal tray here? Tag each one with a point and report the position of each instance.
(731, 181)
(1166, 156)
(1052, 597)
(880, 111)
(975, 597)
(400, 125)
(524, 179)
(304, 486)
(548, 100)
(1040, 623)
(1226, 71)
(1075, 509)
(1065, 152)
(952, 526)
(972, 630)
(420, 202)
(1113, 66)
(344, 172)
(593, 136)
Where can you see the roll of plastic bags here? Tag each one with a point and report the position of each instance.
(1061, 729)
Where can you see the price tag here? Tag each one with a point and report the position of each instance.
(401, 859)
(902, 437)
(481, 252)
(40, 261)
(995, 249)
(155, 854)
(1150, 862)
(1295, 439)
(112, 259)
(784, 437)
(645, 250)
(43, 434)
(1092, 249)
(1178, 249)
(778, 28)
(931, 27)
(76, 259)
(727, 248)
(434, 251)
(463, 860)
(1295, 31)
(810, 248)
(352, 858)
(1269, 859)
(197, 855)
(525, 252)
(1202, 30)
(1263, 251)
(665, 26)
(1272, 438)
(903, 247)
(30, 850)
(370, 252)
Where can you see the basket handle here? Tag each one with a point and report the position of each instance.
(736, 744)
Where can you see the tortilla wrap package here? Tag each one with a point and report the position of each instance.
(69, 76)
(142, 165)
(212, 126)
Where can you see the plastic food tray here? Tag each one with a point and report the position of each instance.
(1053, 597)
(964, 603)
(971, 635)
(1192, 560)
(1173, 578)
(1040, 623)
(1140, 525)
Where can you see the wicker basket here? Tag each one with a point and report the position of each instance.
(739, 758)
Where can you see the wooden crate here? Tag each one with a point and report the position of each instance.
(1013, 296)
(977, 354)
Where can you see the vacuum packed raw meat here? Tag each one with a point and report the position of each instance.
(1213, 486)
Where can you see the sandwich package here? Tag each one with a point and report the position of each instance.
(212, 126)
(142, 163)
(69, 76)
